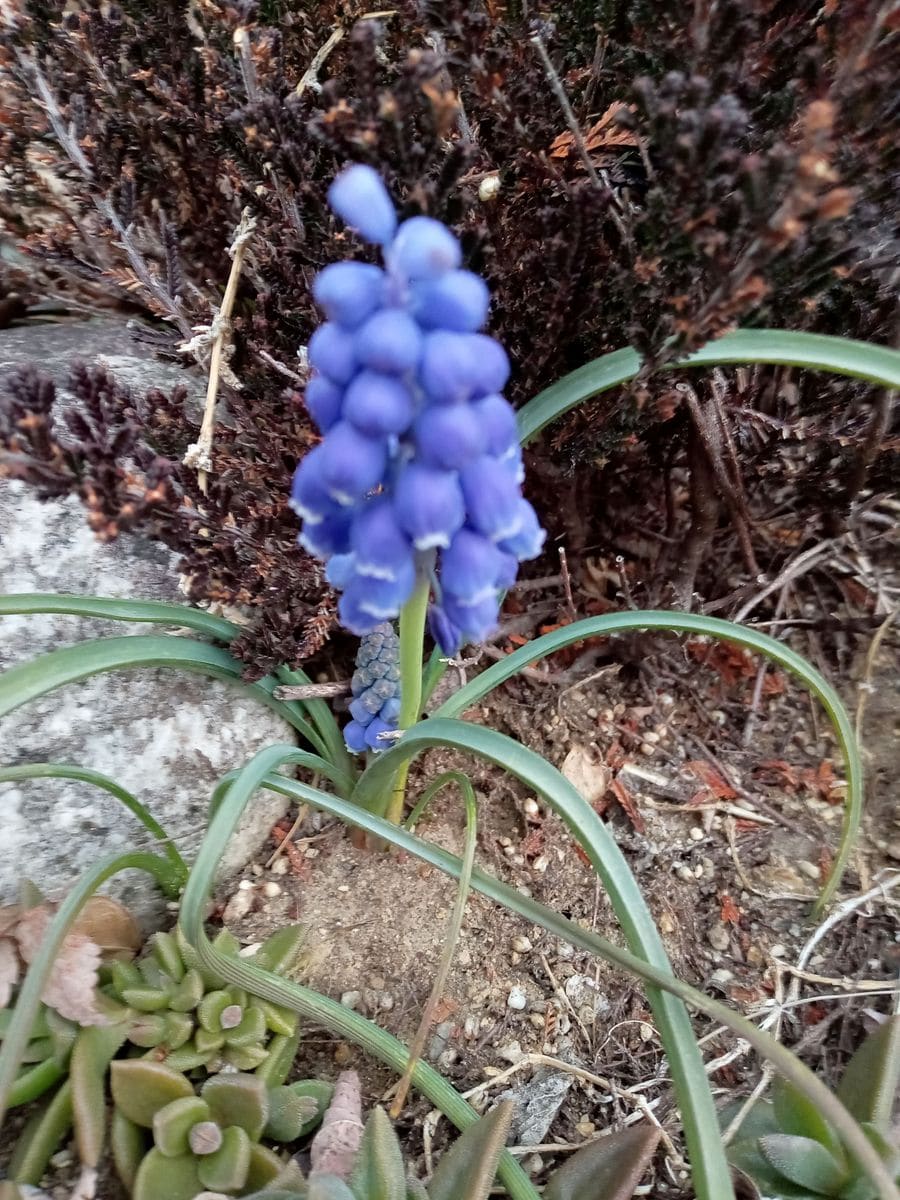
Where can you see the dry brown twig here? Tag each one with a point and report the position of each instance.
(199, 454)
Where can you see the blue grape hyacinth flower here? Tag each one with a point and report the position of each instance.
(419, 472)
(376, 691)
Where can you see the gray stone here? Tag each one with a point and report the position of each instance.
(537, 1103)
(53, 348)
(166, 736)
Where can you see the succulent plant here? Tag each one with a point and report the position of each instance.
(350, 1161)
(210, 1140)
(185, 1020)
(181, 1011)
(786, 1149)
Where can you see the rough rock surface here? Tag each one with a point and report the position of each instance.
(167, 736)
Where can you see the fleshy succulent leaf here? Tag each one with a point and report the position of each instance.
(289, 1112)
(91, 1055)
(609, 1168)
(469, 1166)
(282, 1052)
(146, 999)
(871, 1079)
(804, 1162)
(174, 1178)
(379, 1172)
(240, 1100)
(165, 949)
(266, 1169)
(227, 1168)
(140, 1088)
(173, 1124)
(250, 1031)
(280, 951)
(746, 1158)
(795, 1114)
(188, 993)
(329, 1187)
(129, 1145)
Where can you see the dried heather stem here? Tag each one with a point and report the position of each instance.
(199, 455)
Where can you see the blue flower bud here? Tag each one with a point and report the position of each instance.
(374, 732)
(360, 710)
(447, 635)
(455, 300)
(390, 710)
(360, 198)
(355, 737)
(428, 505)
(341, 568)
(528, 540)
(309, 495)
(378, 405)
(324, 538)
(350, 464)
(492, 363)
(382, 549)
(331, 351)
(423, 248)
(323, 400)
(446, 370)
(449, 436)
(389, 341)
(492, 498)
(470, 567)
(476, 621)
(497, 419)
(348, 292)
(376, 600)
(507, 571)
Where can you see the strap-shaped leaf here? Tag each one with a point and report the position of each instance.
(795, 1113)
(608, 1169)
(815, 351)
(466, 1171)
(872, 1076)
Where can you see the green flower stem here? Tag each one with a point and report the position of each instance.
(786, 1063)
(29, 999)
(412, 637)
(34, 1082)
(320, 1010)
(726, 631)
(48, 770)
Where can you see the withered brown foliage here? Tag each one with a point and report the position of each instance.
(741, 169)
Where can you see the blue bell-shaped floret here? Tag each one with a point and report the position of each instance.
(351, 464)
(373, 734)
(491, 364)
(327, 537)
(507, 571)
(378, 599)
(323, 400)
(456, 300)
(497, 420)
(389, 341)
(355, 737)
(428, 505)
(378, 405)
(349, 292)
(359, 197)
(341, 568)
(528, 541)
(447, 635)
(492, 498)
(309, 493)
(476, 621)
(362, 712)
(422, 249)
(470, 566)
(446, 371)
(332, 350)
(382, 548)
(449, 436)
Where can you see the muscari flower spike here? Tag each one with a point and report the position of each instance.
(376, 690)
(419, 472)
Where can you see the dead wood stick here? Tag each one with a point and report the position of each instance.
(312, 691)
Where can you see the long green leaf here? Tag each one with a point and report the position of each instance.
(159, 612)
(29, 999)
(815, 351)
(787, 1064)
(712, 1179)
(308, 1004)
(49, 770)
(32, 679)
(726, 631)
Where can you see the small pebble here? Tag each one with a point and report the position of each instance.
(511, 1052)
(246, 885)
(697, 833)
(722, 976)
(565, 950)
(256, 869)
(521, 944)
(447, 1059)
(537, 1020)
(585, 1127)
(280, 866)
(531, 808)
(271, 889)
(777, 951)
(540, 864)
(311, 852)
(533, 1163)
(685, 873)
(719, 937)
(351, 999)
(651, 736)
(470, 1027)
(809, 869)
(238, 906)
(517, 998)
(647, 749)
(647, 1032)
